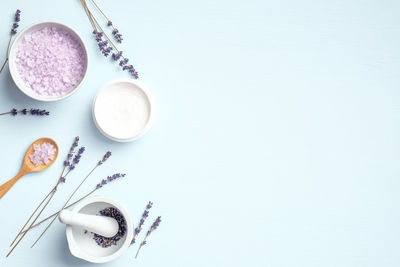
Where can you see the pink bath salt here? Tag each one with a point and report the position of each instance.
(51, 61)
(42, 154)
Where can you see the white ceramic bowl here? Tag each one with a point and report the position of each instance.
(13, 65)
(123, 110)
(84, 247)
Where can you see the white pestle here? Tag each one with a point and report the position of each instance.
(102, 225)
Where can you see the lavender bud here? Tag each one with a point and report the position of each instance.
(141, 222)
(117, 56)
(123, 62)
(105, 157)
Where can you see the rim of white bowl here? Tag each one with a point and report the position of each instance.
(150, 120)
(14, 71)
(129, 233)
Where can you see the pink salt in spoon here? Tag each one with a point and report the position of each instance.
(28, 166)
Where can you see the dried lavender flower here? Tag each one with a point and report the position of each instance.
(77, 158)
(72, 161)
(106, 51)
(103, 43)
(99, 37)
(153, 227)
(127, 67)
(134, 73)
(117, 215)
(18, 15)
(17, 19)
(39, 112)
(123, 62)
(109, 179)
(13, 31)
(24, 111)
(117, 56)
(105, 157)
(67, 162)
(118, 37)
(105, 48)
(141, 222)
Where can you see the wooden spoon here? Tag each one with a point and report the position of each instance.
(28, 166)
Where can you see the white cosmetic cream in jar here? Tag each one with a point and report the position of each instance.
(123, 110)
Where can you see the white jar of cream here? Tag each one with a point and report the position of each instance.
(123, 110)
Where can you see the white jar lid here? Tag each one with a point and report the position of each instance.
(123, 110)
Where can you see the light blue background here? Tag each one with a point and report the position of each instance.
(276, 141)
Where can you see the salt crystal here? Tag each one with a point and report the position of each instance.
(53, 53)
(42, 154)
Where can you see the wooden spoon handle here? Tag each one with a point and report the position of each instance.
(7, 186)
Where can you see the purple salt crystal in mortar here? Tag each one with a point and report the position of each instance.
(51, 61)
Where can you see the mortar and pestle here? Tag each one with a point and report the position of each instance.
(83, 218)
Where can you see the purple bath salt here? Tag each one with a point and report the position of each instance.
(42, 154)
(51, 61)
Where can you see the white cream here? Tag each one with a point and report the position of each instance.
(122, 110)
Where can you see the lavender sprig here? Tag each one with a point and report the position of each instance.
(17, 18)
(107, 46)
(71, 160)
(141, 222)
(103, 44)
(123, 62)
(67, 162)
(13, 31)
(36, 112)
(76, 159)
(109, 179)
(131, 70)
(153, 227)
(105, 157)
(117, 35)
(117, 56)
(115, 32)
(25, 111)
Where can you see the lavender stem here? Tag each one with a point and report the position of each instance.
(66, 203)
(56, 213)
(30, 226)
(20, 231)
(8, 48)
